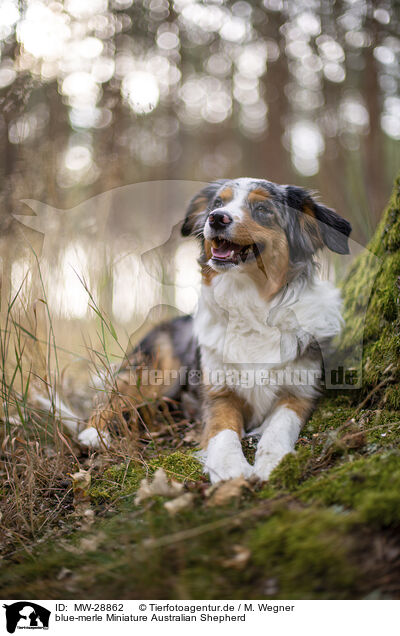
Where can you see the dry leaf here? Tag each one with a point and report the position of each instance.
(80, 486)
(64, 573)
(159, 486)
(239, 559)
(222, 493)
(192, 436)
(179, 503)
(81, 482)
(92, 542)
(88, 514)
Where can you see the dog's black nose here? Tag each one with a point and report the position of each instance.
(218, 220)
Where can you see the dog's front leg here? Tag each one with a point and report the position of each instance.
(280, 433)
(222, 455)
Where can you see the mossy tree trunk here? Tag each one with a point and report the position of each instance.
(380, 332)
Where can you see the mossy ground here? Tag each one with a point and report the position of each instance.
(325, 526)
(123, 480)
(325, 521)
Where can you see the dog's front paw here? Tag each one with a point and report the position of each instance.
(91, 438)
(264, 465)
(224, 458)
(228, 469)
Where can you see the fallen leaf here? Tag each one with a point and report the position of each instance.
(239, 559)
(160, 486)
(92, 542)
(81, 483)
(192, 436)
(223, 492)
(64, 573)
(80, 487)
(88, 515)
(69, 579)
(179, 503)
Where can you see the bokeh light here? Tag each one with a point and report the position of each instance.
(156, 86)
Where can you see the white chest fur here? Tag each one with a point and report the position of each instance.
(241, 334)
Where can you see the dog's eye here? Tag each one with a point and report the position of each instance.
(218, 203)
(261, 207)
(263, 213)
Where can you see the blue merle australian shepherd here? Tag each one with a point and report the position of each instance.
(263, 312)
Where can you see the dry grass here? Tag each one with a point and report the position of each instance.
(37, 487)
(38, 452)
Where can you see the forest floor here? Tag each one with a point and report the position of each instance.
(325, 525)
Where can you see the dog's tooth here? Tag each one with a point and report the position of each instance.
(232, 254)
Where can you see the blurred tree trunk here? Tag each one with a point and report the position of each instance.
(272, 161)
(374, 156)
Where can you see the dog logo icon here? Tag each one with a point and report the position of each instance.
(26, 615)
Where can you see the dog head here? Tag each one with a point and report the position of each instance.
(253, 224)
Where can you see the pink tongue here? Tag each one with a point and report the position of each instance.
(223, 251)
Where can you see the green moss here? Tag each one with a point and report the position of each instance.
(291, 470)
(117, 481)
(382, 429)
(296, 550)
(325, 432)
(178, 466)
(307, 552)
(329, 414)
(372, 285)
(392, 397)
(369, 485)
(123, 480)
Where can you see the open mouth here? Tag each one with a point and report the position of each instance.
(227, 252)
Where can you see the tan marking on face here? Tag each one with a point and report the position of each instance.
(301, 406)
(270, 271)
(259, 194)
(226, 195)
(207, 272)
(207, 248)
(223, 410)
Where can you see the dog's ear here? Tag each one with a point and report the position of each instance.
(319, 225)
(335, 229)
(198, 209)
